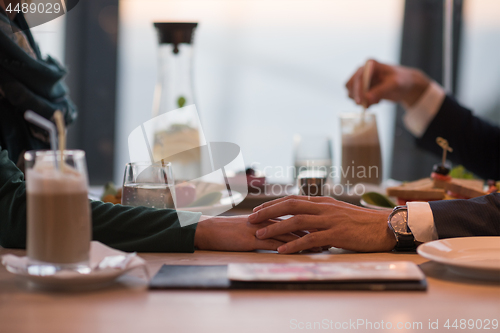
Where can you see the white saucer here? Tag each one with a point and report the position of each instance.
(107, 265)
(474, 257)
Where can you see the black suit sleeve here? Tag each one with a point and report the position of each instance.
(475, 142)
(461, 218)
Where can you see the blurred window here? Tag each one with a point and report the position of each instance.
(479, 68)
(50, 38)
(263, 70)
(266, 70)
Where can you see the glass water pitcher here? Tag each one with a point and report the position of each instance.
(177, 133)
(175, 53)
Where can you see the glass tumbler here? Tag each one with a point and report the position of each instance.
(312, 154)
(149, 184)
(59, 225)
(361, 155)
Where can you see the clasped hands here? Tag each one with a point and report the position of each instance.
(317, 223)
(329, 223)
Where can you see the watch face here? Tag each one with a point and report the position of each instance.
(399, 222)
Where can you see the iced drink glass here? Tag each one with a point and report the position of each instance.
(59, 225)
(361, 156)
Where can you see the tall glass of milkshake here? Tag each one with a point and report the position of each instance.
(58, 212)
(361, 156)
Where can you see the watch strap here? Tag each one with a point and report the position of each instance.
(405, 243)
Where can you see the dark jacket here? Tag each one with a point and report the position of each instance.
(474, 217)
(475, 142)
(476, 145)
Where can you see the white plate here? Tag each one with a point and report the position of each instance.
(474, 257)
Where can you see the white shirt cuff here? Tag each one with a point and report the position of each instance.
(419, 115)
(421, 221)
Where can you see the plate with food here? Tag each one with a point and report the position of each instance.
(194, 196)
(444, 183)
(375, 200)
(426, 189)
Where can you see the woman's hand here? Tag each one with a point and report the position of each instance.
(338, 224)
(234, 233)
(394, 83)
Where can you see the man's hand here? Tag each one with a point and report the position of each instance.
(338, 224)
(234, 233)
(394, 83)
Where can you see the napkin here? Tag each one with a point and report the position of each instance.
(102, 258)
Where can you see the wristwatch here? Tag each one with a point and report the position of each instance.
(398, 223)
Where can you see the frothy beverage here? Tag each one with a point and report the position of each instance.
(59, 227)
(361, 156)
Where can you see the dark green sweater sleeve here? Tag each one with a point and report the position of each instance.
(142, 229)
(12, 204)
(125, 228)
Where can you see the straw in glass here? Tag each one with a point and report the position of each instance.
(47, 125)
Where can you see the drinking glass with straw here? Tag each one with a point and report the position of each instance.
(47, 125)
(59, 224)
(58, 117)
(360, 140)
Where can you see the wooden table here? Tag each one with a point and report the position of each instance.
(128, 306)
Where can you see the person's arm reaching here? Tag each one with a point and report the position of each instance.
(419, 115)
(394, 83)
(430, 113)
(475, 142)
